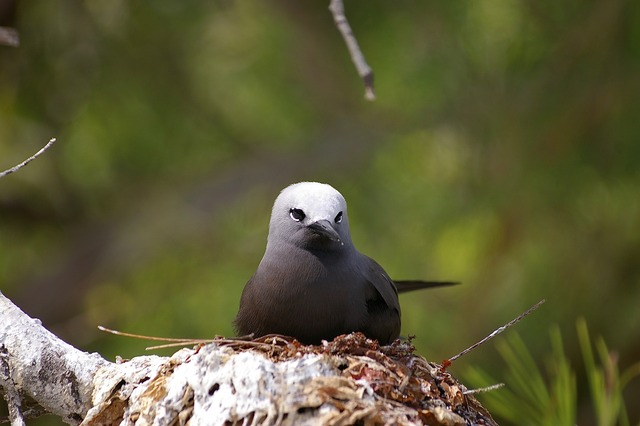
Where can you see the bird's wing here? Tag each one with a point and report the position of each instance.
(404, 286)
(382, 283)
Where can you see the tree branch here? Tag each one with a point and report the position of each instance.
(266, 381)
(494, 333)
(53, 373)
(28, 160)
(364, 70)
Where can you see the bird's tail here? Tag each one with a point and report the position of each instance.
(404, 286)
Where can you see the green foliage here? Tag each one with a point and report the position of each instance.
(502, 151)
(606, 383)
(533, 396)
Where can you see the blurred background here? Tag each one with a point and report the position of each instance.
(502, 152)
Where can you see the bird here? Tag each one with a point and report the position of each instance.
(312, 283)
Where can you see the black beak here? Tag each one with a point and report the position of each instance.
(324, 228)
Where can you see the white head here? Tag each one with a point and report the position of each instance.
(311, 215)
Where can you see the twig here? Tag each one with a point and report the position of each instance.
(217, 340)
(364, 70)
(192, 342)
(143, 337)
(173, 341)
(10, 392)
(261, 342)
(497, 331)
(484, 389)
(28, 160)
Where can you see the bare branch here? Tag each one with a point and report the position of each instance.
(28, 160)
(364, 70)
(495, 333)
(54, 374)
(175, 342)
(483, 390)
(143, 337)
(349, 380)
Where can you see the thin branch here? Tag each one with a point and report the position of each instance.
(494, 333)
(142, 336)
(364, 70)
(484, 389)
(220, 341)
(28, 160)
(175, 342)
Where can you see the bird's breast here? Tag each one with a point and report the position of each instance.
(318, 289)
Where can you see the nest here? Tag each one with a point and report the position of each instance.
(277, 380)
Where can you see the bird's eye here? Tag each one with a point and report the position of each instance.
(338, 218)
(296, 214)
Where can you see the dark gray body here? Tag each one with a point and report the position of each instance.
(315, 295)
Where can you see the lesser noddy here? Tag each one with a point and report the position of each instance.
(312, 283)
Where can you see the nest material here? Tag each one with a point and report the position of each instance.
(277, 380)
